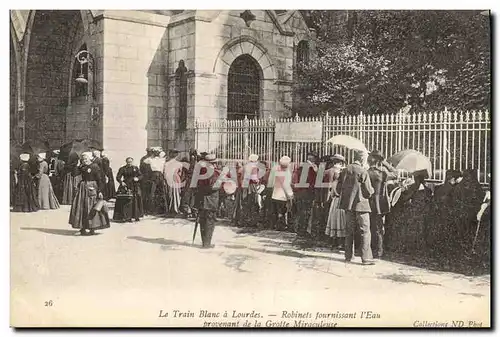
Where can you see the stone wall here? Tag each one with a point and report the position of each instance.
(47, 74)
(134, 84)
(221, 41)
(136, 54)
(181, 47)
(13, 91)
(78, 110)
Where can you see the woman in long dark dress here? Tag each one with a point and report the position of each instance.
(88, 210)
(57, 178)
(25, 195)
(407, 224)
(129, 197)
(72, 177)
(109, 189)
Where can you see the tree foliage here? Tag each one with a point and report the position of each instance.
(382, 61)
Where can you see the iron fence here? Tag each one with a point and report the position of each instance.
(456, 140)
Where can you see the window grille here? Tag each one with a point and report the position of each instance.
(243, 98)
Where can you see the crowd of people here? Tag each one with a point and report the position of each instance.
(363, 208)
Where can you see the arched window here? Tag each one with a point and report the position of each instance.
(243, 92)
(80, 89)
(302, 54)
(181, 86)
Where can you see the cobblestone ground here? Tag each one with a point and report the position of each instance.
(131, 274)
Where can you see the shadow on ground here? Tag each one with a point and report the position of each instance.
(282, 239)
(163, 241)
(236, 261)
(405, 279)
(467, 267)
(64, 232)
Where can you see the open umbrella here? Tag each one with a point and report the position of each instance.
(94, 144)
(411, 161)
(73, 148)
(349, 142)
(35, 146)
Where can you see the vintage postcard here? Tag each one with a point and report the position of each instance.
(250, 168)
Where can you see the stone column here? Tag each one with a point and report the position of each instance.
(134, 85)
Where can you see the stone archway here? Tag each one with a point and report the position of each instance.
(244, 45)
(247, 45)
(14, 88)
(47, 70)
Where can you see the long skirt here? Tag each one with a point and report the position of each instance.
(128, 208)
(318, 219)
(335, 225)
(25, 199)
(57, 183)
(46, 196)
(173, 200)
(83, 215)
(109, 189)
(70, 185)
(158, 195)
(247, 213)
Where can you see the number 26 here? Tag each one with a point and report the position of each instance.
(49, 303)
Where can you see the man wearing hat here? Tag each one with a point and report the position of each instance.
(304, 195)
(207, 198)
(380, 172)
(355, 190)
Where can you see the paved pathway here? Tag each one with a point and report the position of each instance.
(131, 274)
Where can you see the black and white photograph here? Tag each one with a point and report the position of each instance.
(250, 168)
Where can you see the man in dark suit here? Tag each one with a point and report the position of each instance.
(380, 172)
(304, 191)
(207, 198)
(355, 190)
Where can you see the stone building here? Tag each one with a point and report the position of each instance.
(150, 74)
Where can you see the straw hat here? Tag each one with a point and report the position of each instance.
(24, 157)
(285, 161)
(56, 151)
(42, 155)
(210, 157)
(87, 154)
(253, 157)
(338, 157)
